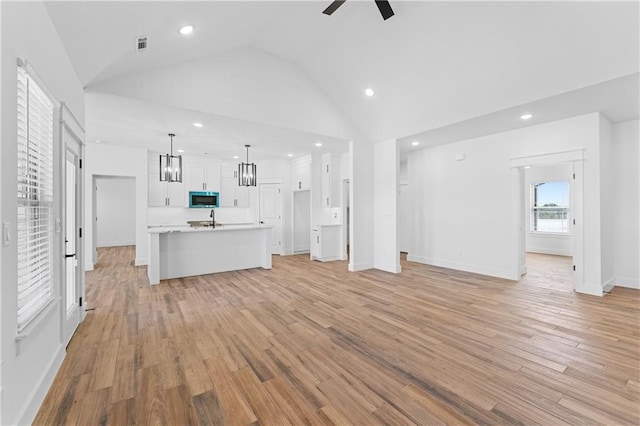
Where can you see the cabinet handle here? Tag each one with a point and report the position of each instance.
(318, 239)
(327, 201)
(235, 202)
(299, 185)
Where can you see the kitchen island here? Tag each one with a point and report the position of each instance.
(183, 251)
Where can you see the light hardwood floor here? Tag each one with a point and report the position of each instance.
(310, 343)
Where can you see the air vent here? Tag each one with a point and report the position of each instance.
(142, 43)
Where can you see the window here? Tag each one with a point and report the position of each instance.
(550, 207)
(35, 199)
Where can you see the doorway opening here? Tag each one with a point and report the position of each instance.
(549, 208)
(548, 233)
(114, 213)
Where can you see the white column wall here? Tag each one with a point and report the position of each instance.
(385, 213)
(626, 189)
(607, 193)
(361, 240)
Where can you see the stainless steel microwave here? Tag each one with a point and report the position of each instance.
(204, 199)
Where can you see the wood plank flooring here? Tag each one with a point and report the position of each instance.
(310, 343)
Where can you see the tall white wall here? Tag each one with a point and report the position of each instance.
(361, 230)
(626, 190)
(558, 244)
(109, 160)
(463, 209)
(607, 194)
(116, 211)
(26, 375)
(385, 216)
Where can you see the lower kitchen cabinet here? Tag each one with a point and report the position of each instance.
(326, 243)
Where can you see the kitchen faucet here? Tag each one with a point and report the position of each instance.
(212, 215)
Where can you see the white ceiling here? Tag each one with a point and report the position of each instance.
(432, 65)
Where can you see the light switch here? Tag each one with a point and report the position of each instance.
(6, 233)
(58, 225)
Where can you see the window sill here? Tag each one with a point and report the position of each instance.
(35, 323)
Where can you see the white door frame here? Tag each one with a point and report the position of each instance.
(71, 134)
(576, 158)
(273, 182)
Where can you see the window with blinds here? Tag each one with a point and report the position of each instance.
(35, 199)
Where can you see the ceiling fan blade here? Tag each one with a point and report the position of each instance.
(385, 9)
(333, 7)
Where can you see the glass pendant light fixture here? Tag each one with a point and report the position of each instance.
(247, 172)
(171, 165)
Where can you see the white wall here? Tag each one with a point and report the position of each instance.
(361, 239)
(301, 221)
(110, 160)
(241, 84)
(546, 243)
(463, 208)
(626, 190)
(606, 202)
(116, 211)
(27, 376)
(385, 188)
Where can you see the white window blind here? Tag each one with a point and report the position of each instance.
(35, 199)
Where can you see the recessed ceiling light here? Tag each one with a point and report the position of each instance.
(181, 150)
(187, 29)
(526, 116)
(415, 143)
(98, 141)
(289, 155)
(369, 92)
(318, 143)
(198, 124)
(235, 157)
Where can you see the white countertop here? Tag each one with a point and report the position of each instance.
(220, 228)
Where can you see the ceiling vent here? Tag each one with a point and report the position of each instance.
(142, 42)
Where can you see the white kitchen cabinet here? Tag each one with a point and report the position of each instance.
(326, 243)
(163, 194)
(326, 180)
(231, 194)
(202, 175)
(301, 173)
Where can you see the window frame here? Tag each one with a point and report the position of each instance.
(533, 208)
(35, 199)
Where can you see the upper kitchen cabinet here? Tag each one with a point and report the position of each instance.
(202, 174)
(301, 173)
(231, 194)
(326, 180)
(163, 194)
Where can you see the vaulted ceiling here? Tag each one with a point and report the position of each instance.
(286, 65)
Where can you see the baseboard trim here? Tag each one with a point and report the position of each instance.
(394, 269)
(609, 284)
(35, 400)
(141, 261)
(116, 244)
(628, 282)
(554, 252)
(362, 266)
(465, 267)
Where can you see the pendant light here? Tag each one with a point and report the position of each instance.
(247, 172)
(171, 165)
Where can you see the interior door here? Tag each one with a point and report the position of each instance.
(271, 213)
(72, 288)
